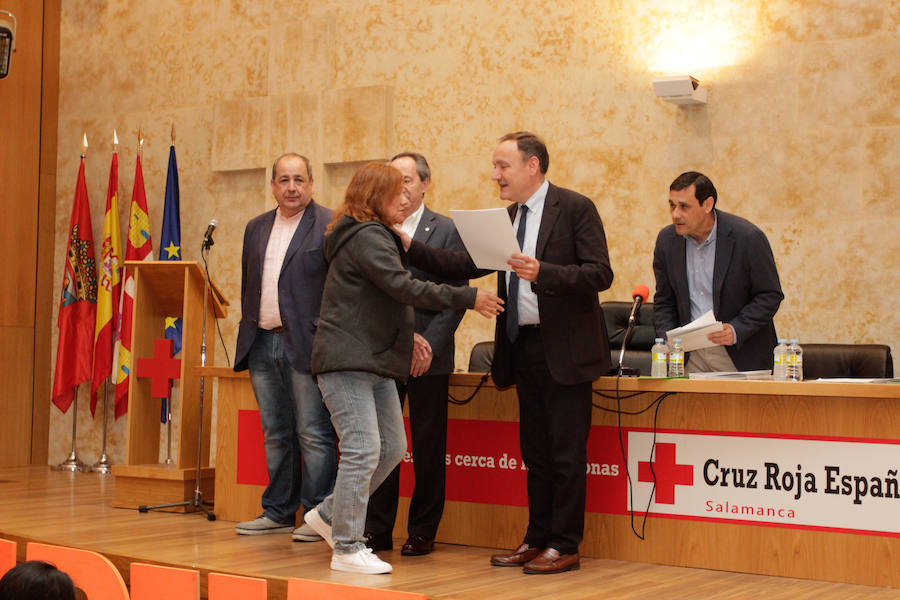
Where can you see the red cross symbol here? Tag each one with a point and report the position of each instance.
(668, 473)
(162, 368)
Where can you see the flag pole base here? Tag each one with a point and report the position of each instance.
(71, 464)
(102, 466)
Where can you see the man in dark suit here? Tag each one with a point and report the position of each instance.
(283, 273)
(427, 387)
(551, 342)
(711, 260)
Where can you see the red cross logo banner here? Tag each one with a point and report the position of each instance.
(668, 473)
(161, 368)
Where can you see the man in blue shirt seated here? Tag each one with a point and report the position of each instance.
(712, 260)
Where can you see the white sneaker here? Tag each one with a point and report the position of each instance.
(312, 518)
(362, 561)
(305, 533)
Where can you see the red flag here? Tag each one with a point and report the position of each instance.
(78, 305)
(110, 286)
(138, 247)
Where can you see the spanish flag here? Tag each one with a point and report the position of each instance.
(110, 286)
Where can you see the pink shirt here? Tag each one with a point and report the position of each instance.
(282, 232)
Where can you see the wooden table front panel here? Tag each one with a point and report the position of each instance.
(809, 408)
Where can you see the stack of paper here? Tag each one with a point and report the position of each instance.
(488, 235)
(693, 335)
(756, 375)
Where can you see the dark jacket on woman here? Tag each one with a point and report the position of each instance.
(366, 320)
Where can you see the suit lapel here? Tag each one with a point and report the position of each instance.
(724, 248)
(679, 251)
(262, 240)
(303, 228)
(548, 219)
(426, 226)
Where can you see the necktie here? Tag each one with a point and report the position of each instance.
(512, 304)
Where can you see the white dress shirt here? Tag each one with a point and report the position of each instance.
(528, 302)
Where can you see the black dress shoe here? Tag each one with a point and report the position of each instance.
(416, 545)
(379, 541)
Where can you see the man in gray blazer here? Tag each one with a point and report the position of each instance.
(709, 259)
(427, 387)
(283, 272)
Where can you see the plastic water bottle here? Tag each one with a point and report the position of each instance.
(779, 371)
(795, 355)
(658, 353)
(676, 359)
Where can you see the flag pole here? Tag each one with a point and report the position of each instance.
(72, 463)
(103, 464)
(168, 401)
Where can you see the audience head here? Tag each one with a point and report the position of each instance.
(36, 580)
(375, 194)
(520, 163)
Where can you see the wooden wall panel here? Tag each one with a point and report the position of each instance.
(16, 351)
(23, 100)
(43, 308)
(20, 103)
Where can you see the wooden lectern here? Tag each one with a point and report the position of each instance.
(167, 289)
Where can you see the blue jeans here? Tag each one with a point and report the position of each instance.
(295, 423)
(366, 414)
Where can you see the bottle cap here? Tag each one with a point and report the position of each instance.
(658, 341)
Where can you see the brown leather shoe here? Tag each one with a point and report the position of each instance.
(417, 545)
(517, 558)
(551, 561)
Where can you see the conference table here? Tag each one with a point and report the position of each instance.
(776, 478)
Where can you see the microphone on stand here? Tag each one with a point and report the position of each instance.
(639, 295)
(207, 237)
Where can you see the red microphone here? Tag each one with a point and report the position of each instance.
(639, 294)
(640, 290)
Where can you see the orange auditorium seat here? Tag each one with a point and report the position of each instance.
(235, 587)
(93, 573)
(154, 582)
(7, 556)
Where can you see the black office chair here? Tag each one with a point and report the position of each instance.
(866, 361)
(481, 357)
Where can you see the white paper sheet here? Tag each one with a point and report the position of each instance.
(693, 335)
(488, 236)
(764, 374)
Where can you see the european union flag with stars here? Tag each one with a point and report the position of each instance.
(170, 248)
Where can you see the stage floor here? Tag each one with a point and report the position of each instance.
(74, 509)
